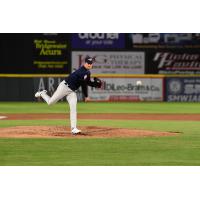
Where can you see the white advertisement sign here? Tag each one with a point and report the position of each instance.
(108, 62)
(126, 89)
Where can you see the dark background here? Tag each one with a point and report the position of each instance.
(18, 53)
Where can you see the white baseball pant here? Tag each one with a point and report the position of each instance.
(61, 91)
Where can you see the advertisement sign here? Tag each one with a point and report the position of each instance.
(163, 40)
(183, 89)
(34, 53)
(98, 40)
(168, 62)
(114, 89)
(51, 51)
(108, 62)
(125, 89)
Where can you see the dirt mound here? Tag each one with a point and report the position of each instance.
(87, 132)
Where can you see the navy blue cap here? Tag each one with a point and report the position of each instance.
(89, 60)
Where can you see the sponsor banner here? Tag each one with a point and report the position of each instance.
(108, 62)
(174, 62)
(98, 40)
(183, 89)
(51, 51)
(114, 89)
(125, 89)
(34, 53)
(163, 40)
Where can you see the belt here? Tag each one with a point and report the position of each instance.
(68, 86)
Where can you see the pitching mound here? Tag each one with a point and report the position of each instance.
(87, 132)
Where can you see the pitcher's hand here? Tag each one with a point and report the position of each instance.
(87, 99)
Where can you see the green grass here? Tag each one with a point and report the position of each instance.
(144, 107)
(180, 150)
(101, 152)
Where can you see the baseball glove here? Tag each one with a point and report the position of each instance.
(97, 82)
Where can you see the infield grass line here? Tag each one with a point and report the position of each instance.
(106, 107)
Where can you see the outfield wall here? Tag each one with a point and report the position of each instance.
(115, 88)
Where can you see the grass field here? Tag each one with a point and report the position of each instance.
(180, 150)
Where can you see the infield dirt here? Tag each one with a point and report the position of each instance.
(87, 132)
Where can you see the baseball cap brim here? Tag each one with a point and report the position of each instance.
(89, 60)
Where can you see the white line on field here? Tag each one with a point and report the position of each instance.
(3, 117)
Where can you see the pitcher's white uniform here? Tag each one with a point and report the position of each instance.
(68, 87)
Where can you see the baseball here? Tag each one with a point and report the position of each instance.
(138, 82)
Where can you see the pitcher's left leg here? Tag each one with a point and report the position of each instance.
(72, 100)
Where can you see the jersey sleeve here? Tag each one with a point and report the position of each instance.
(85, 83)
(84, 89)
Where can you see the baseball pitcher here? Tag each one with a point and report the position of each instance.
(68, 87)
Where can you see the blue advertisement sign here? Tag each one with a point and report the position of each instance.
(98, 40)
(183, 89)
